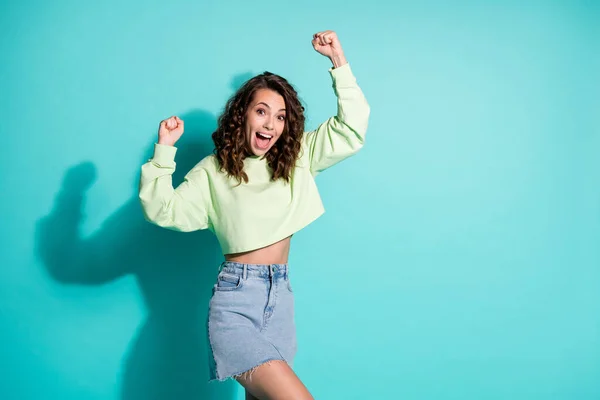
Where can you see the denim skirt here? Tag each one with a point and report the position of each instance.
(250, 318)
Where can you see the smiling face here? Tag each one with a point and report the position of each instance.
(265, 121)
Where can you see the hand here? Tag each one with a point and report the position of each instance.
(328, 44)
(170, 130)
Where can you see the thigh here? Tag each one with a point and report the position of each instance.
(273, 381)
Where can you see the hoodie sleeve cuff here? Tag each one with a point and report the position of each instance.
(342, 76)
(164, 156)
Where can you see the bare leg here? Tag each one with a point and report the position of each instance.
(273, 381)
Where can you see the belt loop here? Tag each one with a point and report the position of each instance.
(245, 272)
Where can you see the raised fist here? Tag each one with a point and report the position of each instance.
(170, 130)
(327, 44)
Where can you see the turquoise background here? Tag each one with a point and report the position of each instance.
(459, 257)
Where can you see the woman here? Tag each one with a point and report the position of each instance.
(254, 193)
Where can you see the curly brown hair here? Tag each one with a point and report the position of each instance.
(231, 147)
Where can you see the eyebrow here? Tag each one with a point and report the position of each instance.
(262, 102)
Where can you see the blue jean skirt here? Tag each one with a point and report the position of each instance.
(250, 318)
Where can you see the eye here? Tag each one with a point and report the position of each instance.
(260, 111)
(281, 117)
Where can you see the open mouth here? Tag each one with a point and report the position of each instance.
(263, 140)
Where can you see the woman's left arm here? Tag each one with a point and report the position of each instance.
(342, 135)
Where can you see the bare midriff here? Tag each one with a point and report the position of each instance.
(276, 253)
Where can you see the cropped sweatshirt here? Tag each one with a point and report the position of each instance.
(258, 213)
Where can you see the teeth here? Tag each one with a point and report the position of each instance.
(263, 135)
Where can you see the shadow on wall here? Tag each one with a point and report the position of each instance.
(168, 357)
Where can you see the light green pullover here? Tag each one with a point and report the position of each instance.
(261, 212)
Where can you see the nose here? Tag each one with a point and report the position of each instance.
(268, 123)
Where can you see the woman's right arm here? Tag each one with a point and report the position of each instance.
(185, 208)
